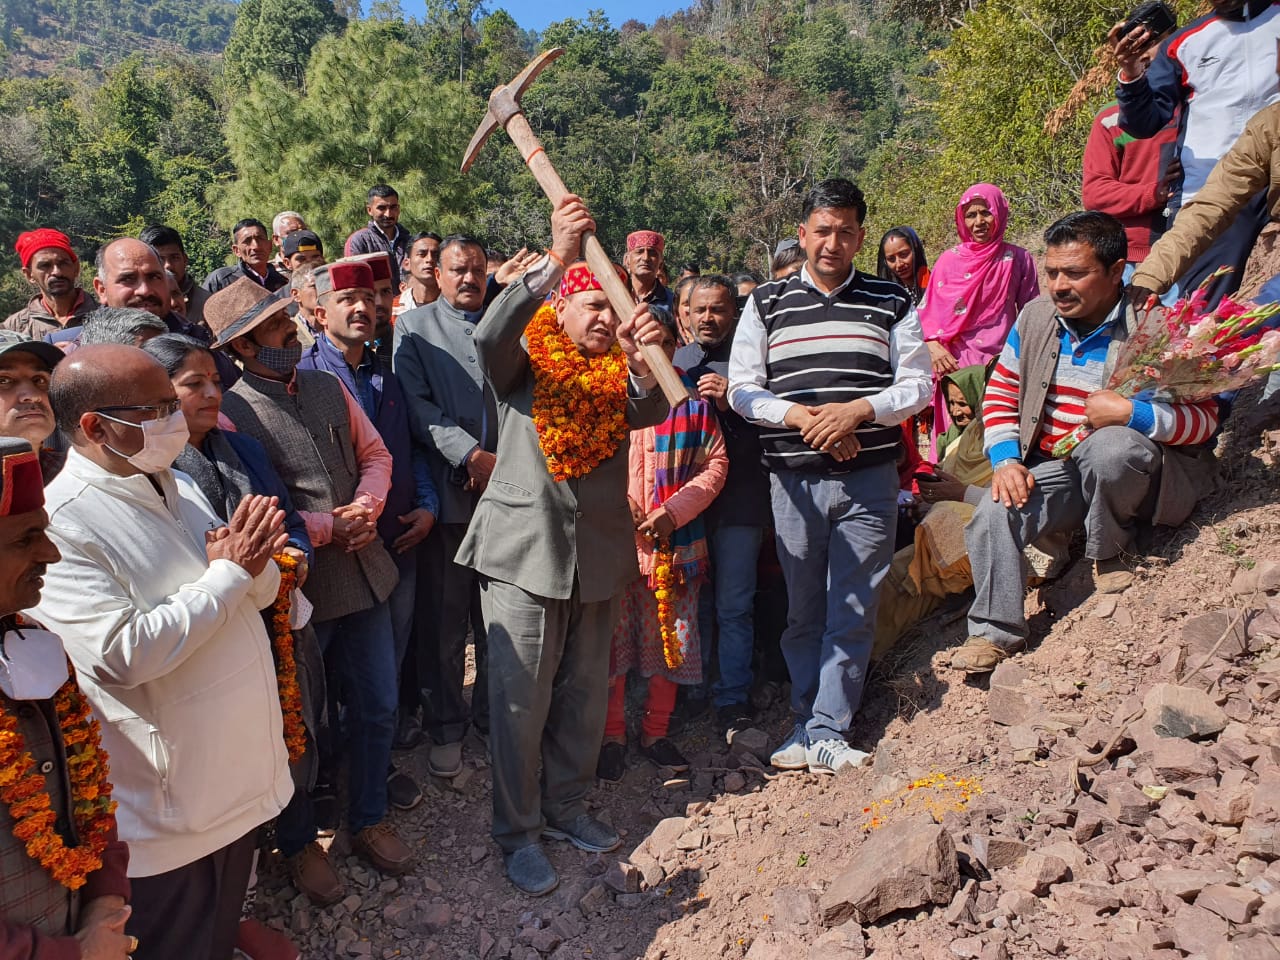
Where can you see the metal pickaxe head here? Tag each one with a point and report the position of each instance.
(504, 103)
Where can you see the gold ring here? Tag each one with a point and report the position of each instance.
(133, 945)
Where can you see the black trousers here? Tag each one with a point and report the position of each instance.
(193, 912)
(448, 601)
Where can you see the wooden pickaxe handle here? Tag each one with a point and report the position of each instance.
(620, 298)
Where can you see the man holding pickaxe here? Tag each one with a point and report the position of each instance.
(553, 541)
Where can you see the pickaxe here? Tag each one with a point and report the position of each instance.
(504, 111)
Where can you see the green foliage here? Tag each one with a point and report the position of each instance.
(274, 38)
(361, 117)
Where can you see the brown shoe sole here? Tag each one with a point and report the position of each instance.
(389, 867)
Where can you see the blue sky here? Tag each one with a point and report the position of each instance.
(536, 14)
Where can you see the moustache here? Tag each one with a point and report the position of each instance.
(468, 288)
(147, 301)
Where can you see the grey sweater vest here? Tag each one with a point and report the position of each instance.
(307, 436)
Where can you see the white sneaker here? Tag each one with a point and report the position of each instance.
(792, 754)
(833, 756)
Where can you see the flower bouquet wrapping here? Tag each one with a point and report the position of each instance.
(1186, 353)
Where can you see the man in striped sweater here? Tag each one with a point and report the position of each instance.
(1049, 379)
(829, 361)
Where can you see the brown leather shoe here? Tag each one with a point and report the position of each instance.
(1111, 576)
(382, 848)
(980, 655)
(312, 874)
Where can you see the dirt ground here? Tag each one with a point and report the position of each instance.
(733, 860)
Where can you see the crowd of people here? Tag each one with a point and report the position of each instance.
(249, 527)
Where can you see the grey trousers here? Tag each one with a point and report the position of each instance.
(548, 691)
(834, 537)
(1103, 485)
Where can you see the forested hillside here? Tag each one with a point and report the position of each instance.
(708, 125)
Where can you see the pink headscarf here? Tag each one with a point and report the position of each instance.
(969, 286)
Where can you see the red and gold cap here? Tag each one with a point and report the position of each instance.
(579, 277)
(343, 275)
(379, 262)
(646, 238)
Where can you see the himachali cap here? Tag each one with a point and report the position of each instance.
(646, 238)
(379, 262)
(579, 277)
(235, 310)
(343, 275)
(33, 241)
(301, 241)
(21, 483)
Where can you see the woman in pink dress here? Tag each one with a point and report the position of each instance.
(975, 290)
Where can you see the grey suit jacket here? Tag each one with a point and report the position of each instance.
(529, 530)
(438, 365)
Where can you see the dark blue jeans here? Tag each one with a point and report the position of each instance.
(361, 649)
(727, 601)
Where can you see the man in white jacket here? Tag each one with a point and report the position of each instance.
(157, 603)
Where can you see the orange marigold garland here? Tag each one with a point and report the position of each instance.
(664, 583)
(295, 731)
(579, 402)
(24, 792)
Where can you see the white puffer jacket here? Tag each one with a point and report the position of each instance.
(172, 653)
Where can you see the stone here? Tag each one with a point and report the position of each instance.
(1228, 803)
(1185, 712)
(1087, 897)
(1236, 904)
(1091, 818)
(766, 946)
(661, 842)
(994, 951)
(1267, 918)
(694, 839)
(751, 740)
(545, 940)
(593, 900)
(793, 906)
(1197, 930)
(652, 872)
(1183, 882)
(434, 917)
(1128, 804)
(734, 782)
(967, 948)
(1200, 633)
(1009, 701)
(1039, 872)
(1180, 761)
(902, 866)
(486, 944)
(962, 907)
(1018, 903)
(623, 877)
(1249, 948)
(1259, 838)
(845, 942)
(568, 925)
(995, 853)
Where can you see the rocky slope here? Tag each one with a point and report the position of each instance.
(1112, 793)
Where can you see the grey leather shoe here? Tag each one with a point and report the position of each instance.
(530, 870)
(585, 833)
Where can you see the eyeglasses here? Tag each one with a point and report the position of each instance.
(165, 408)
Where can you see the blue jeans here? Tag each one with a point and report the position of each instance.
(835, 544)
(361, 647)
(727, 601)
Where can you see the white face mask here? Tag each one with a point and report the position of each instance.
(33, 665)
(162, 441)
